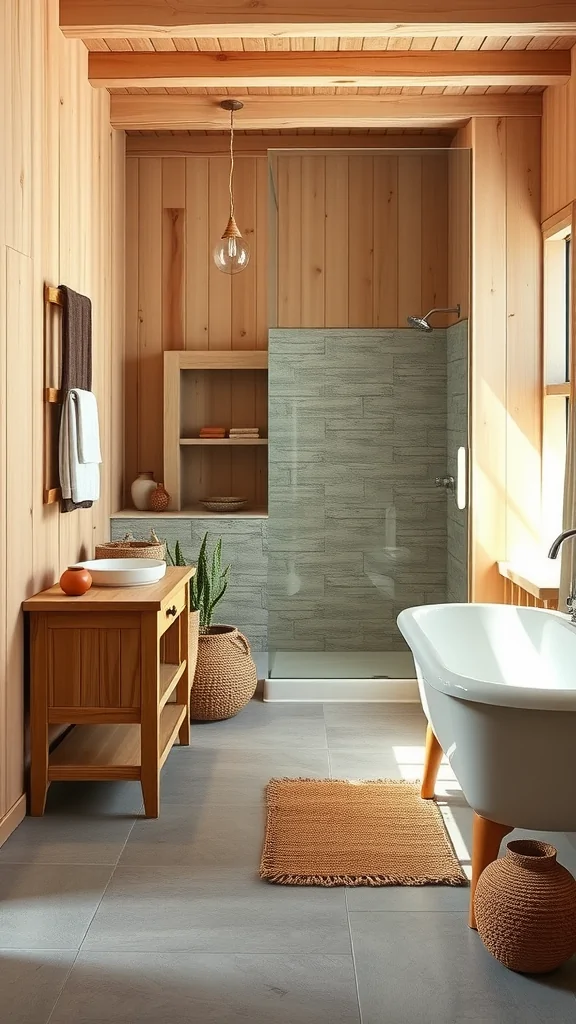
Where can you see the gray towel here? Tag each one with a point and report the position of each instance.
(76, 356)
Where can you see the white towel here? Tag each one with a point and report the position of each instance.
(79, 438)
(88, 426)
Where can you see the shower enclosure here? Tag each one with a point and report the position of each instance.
(368, 421)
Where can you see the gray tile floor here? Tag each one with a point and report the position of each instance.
(106, 918)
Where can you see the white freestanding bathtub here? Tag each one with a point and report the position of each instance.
(498, 686)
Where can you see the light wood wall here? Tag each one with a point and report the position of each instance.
(362, 239)
(559, 146)
(506, 376)
(459, 222)
(61, 221)
(339, 240)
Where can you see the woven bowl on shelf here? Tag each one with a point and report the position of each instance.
(131, 549)
(224, 504)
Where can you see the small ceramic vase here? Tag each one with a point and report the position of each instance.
(75, 581)
(141, 490)
(525, 905)
(159, 499)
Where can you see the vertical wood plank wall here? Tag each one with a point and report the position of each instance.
(359, 241)
(559, 145)
(506, 381)
(362, 239)
(61, 221)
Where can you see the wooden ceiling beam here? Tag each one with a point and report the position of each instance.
(329, 68)
(278, 18)
(261, 145)
(203, 113)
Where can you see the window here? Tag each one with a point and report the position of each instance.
(557, 328)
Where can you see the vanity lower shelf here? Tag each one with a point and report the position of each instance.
(109, 752)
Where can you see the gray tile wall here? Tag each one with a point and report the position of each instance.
(357, 529)
(457, 424)
(243, 546)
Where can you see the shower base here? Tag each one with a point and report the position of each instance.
(320, 676)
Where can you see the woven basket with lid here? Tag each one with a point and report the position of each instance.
(525, 905)
(226, 676)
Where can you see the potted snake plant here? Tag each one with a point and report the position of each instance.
(225, 677)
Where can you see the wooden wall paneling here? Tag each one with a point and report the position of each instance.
(4, 808)
(360, 240)
(219, 284)
(488, 360)
(243, 329)
(118, 293)
(61, 170)
(19, 491)
(336, 234)
(559, 145)
(132, 316)
(150, 306)
(289, 241)
(313, 213)
(47, 317)
(198, 253)
(523, 350)
(264, 251)
(409, 238)
(434, 233)
(385, 295)
(243, 414)
(173, 252)
(18, 124)
(459, 203)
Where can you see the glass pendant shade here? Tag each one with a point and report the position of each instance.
(232, 253)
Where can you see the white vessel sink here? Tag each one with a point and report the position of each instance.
(124, 572)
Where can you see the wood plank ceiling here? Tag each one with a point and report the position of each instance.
(319, 43)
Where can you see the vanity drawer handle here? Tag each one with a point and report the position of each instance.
(172, 610)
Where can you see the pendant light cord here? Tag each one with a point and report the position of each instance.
(231, 181)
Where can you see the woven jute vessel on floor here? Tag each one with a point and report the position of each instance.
(225, 677)
(331, 832)
(525, 905)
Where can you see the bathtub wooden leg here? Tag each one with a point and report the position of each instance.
(486, 838)
(432, 759)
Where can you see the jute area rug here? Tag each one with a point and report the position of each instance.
(330, 832)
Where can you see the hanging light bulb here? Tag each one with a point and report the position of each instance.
(231, 254)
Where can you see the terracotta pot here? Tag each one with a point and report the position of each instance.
(141, 490)
(75, 581)
(225, 678)
(159, 499)
(525, 905)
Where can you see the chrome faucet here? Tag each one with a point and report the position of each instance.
(553, 553)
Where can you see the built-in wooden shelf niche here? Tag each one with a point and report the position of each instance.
(213, 388)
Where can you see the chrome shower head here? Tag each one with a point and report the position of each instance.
(420, 323)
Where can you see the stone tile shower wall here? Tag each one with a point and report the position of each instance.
(357, 529)
(457, 424)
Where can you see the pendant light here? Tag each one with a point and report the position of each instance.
(231, 254)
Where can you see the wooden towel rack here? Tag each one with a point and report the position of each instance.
(54, 297)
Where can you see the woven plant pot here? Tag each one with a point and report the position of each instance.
(225, 677)
(525, 906)
(131, 549)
